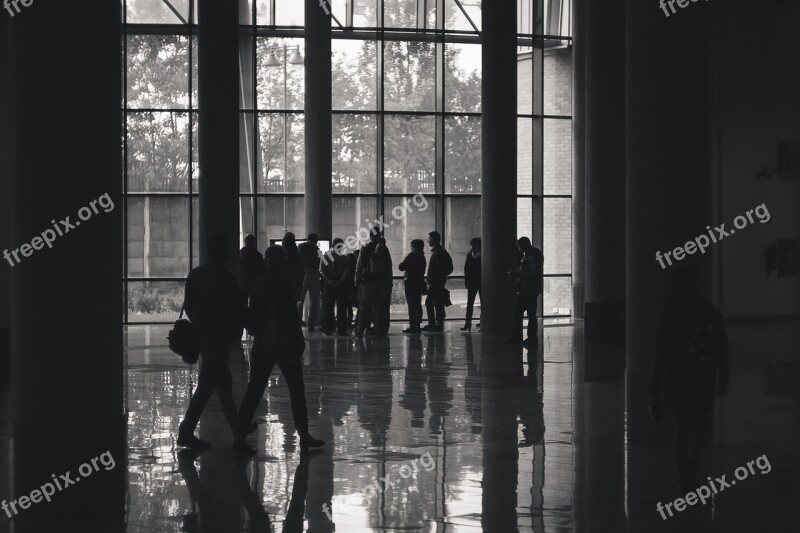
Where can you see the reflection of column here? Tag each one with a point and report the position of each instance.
(218, 120)
(578, 156)
(66, 359)
(319, 129)
(499, 168)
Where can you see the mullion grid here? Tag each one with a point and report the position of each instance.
(188, 30)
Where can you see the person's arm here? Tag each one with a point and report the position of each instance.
(402, 265)
(322, 272)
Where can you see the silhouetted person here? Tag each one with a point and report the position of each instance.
(212, 303)
(384, 301)
(309, 250)
(278, 341)
(335, 291)
(349, 286)
(529, 277)
(414, 267)
(295, 270)
(690, 370)
(369, 283)
(439, 267)
(251, 260)
(472, 279)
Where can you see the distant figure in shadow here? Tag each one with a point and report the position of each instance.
(369, 284)
(472, 279)
(252, 264)
(295, 271)
(212, 303)
(690, 370)
(310, 253)
(278, 340)
(414, 267)
(335, 291)
(439, 267)
(529, 276)
(382, 266)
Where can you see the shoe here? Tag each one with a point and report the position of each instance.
(429, 327)
(411, 330)
(240, 446)
(307, 442)
(192, 442)
(467, 327)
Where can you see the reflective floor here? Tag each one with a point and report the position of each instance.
(455, 432)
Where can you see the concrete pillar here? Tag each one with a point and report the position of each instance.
(6, 153)
(578, 157)
(669, 192)
(218, 103)
(604, 200)
(67, 393)
(319, 132)
(499, 168)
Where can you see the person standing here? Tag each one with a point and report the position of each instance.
(333, 270)
(309, 251)
(278, 341)
(529, 276)
(381, 268)
(213, 305)
(294, 268)
(472, 279)
(439, 267)
(367, 286)
(251, 263)
(414, 267)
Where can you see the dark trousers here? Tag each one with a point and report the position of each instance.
(693, 430)
(372, 297)
(414, 300)
(334, 298)
(523, 303)
(261, 365)
(434, 304)
(214, 376)
(471, 293)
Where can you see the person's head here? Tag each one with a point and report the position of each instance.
(381, 250)
(475, 244)
(336, 241)
(275, 258)
(375, 236)
(313, 238)
(250, 241)
(218, 247)
(417, 245)
(289, 243)
(524, 245)
(434, 238)
(685, 277)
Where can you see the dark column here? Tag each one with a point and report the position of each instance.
(318, 120)
(604, 199)
(669, 193)
(218, 103)
(578, 156)
(67, 394)
(6, 153)
(499, 170)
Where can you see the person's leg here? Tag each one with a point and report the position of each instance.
(224, 387)
(364, 309)
(328, 305)
(470, 304)
(260, 370)
(301, 303)
(533, 324)
(313, 297)
(379, 309)
(417, 299)
(341, 309)
(293, 373)
(412, 308)
(683, 421)
(519, 309)
(430, 308)
(206, 380)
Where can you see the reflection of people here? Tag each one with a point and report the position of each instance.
(309, 251)
(414, 267)
(213, 305)
(439, 267)
(530, 282)
(472, 279)
(690, 370)
(278, 340)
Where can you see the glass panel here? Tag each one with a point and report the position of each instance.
(195, 151)
(247, 158)
(410, 76)
(246, 72)
(290, 13)
(195, 81)
(158, 152)
(524, 156)
(355, 74)
(365, 13)
(263, 12)
(410, 154)
(154, 301)
(195, 233)
(282, 153)
(462, 223)
(462, 169)
(456, 19)
(407, 219)
(558, 82)
(246, 220)
(409, 14)
(557, 235)
(157, 12)
(278, 215)
(245, 12)
(352, 214)
(158, 72)
(525, 80)
(355, 147)
(462, 84)
(281, 76)
(557, 296)
(158, 237)
(525, 217)
(557, 156)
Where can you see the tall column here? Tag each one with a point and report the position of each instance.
(669, 191)
(6, 153)
(499, 167)
(218, 126)
(67, 393)
(319, 142)
(578, 156)
(604, 199)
